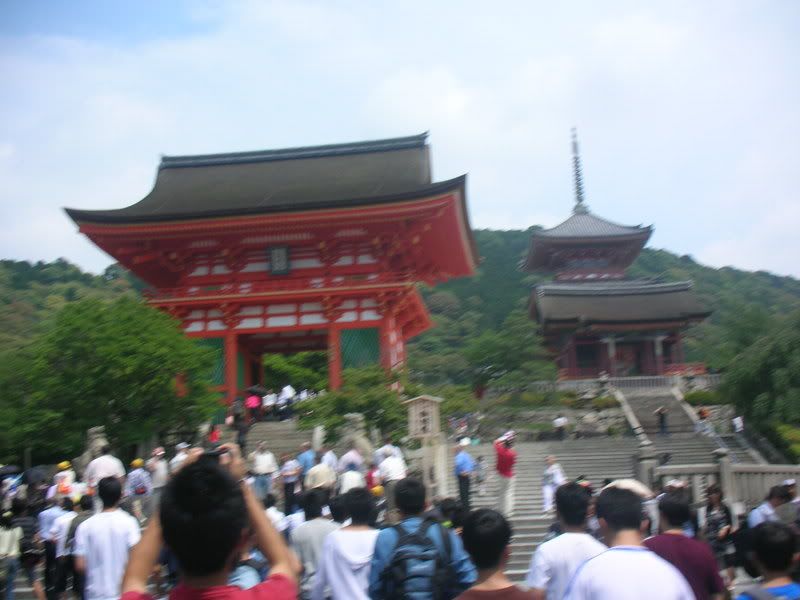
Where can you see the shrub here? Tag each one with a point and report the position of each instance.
(704, 398)
(785, 438)
(604, 402)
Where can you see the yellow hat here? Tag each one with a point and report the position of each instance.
(64, 465)
(377, 491)
(137, 462)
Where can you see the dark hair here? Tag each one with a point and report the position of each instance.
(5, 520)
(572, 502)
(105, 449)
(409, 496)
(67, 504)
(620, 508)
(360, 506)
(338, 509)
(774, 545)
(110, 491)
(270, 500)
(86, 502)
(713, 489)
(781, 492)
(674, 510)
(312, 503)
(486, 534)
(19, 506)
(203, 515)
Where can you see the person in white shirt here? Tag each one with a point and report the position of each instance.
(103, 542)
(556, 561)
(58, 533)
(180, 456)
(627, 570)
(351, 478)
(351, 458)
(392, 470)
(552, 478)
(103, 466)
(159, 473)
(263, 467)
(560, 425)
(329, 457)
(308, 537)
(388, 449)
(276, 516)
(268, 403)
(320, 476)
(347, 552)
(778, 495)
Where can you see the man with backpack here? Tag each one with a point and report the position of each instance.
(418, 558)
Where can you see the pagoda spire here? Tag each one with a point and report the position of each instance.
(580, 205)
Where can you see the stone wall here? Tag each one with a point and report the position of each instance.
(538, 423)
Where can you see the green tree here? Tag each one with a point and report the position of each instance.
(367, 390)
(510, 357)
(763, 381)
(113, 364)
(304, 370)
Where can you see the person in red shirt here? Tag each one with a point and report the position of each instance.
(373, 476)
(506, 457)
(207, 517)
(213, 435)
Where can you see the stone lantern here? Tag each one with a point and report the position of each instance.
(424, 425)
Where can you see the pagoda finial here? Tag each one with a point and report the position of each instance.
(580, 205)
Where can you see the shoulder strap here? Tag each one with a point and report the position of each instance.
(443, 531)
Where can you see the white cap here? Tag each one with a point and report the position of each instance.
(464, 441)
(677, 483)
(181, 446)
(789, 482)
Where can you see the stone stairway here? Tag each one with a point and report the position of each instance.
(644, 405)
(596, 459)
(281, 436)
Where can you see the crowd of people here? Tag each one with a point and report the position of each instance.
(208, 524)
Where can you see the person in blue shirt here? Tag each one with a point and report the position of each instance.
(765, 512)
(774, 547)
(306, 458)
(464, 468)
(410, 501)
(46, 519)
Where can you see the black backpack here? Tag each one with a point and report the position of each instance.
(417, 569)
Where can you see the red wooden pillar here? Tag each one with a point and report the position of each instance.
(385, 335)
(334, 358)
(230, 366)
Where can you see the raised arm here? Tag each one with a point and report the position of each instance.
(143, 558)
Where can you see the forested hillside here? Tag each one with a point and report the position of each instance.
(744, 305)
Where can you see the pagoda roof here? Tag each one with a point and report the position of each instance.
(583, 224)
(627, 301)
(285, 180)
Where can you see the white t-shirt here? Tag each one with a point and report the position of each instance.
(628, 573)
(393, 468)
(263, 462)
(177, 460)
(555, 562)
(560, 422)
(102, 467)
(59, 530)
(349, 480)
(278, 519)
(104, 541)
(269, 400)
(159, 472)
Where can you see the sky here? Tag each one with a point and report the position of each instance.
(687, 111)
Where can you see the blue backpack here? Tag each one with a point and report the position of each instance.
(418, 570)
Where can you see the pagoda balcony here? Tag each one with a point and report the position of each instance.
(275, 287)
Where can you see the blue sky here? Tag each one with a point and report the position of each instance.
(687, 111)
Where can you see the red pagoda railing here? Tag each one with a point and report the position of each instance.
(288, 285)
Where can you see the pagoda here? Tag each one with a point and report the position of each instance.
(594, 318)
(282, 251)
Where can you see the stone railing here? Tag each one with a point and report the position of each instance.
(744, 485)
(642, 383)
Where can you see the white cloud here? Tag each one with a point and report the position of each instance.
(687, 113)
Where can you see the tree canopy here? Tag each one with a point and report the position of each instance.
(103, 363)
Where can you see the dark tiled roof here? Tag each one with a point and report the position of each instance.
(616, 302)
(583, 224)
(292, 179)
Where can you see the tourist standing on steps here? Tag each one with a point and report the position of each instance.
(506, 457)
(306, 457)
(159, 473)
(661, 412)
(692, 558)
(180, 456)
(627, 570)
(464, 468)
(102, 544)
(555, 562)
(392, 470)
(290, 474)
(263, 468)
(560, 426)
(552, 478)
